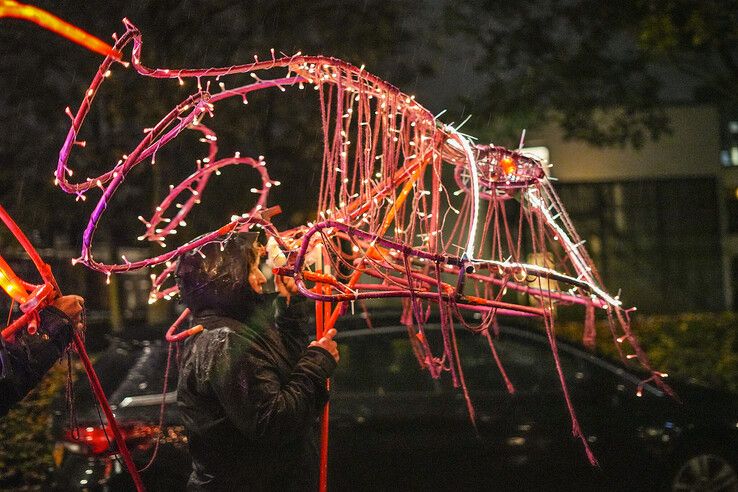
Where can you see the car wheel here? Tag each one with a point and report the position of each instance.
(706, 471)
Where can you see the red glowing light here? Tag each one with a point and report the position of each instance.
(508, 165)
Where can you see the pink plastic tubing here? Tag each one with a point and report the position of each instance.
(188, 115)
(381, 185)
(418, 140)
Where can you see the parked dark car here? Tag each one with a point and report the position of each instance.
(132, 375)
(394, 427)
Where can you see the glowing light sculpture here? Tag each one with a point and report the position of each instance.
(383, 198)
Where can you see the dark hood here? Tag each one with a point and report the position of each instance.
(215, 276)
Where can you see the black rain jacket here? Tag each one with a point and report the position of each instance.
(24, 361)
(250, 394)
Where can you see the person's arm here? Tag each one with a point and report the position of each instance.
(291, 316)
(247, 384)
(25, 360)
(289, 408)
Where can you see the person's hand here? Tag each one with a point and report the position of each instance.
(327, 343)
(72, 306)
(286, 286)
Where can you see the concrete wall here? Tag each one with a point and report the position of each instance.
(691, 150)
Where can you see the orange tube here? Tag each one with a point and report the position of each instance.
(11, 8)
(11, 284)
(385, 225)
(171, 336)
(318, 313)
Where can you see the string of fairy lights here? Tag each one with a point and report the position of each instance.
(384, 208)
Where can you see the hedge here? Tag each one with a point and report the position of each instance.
(25, 435)
(700, 348)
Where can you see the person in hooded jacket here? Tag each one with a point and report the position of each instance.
(26, 358)
(250, 385)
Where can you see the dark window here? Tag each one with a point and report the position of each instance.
(529, 364)
(657, 240)
(381, 363)
(145, 376)
(385, 364)
(731, 200)
(729, 154)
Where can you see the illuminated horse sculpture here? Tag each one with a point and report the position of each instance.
(382, 228)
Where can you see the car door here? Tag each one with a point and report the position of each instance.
(526, 436)
(629, 426)
(388, 418)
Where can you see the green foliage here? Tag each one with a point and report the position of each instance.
(696, 38)
(566, 60)
(577, 60)
(696, 347)
(25, 453)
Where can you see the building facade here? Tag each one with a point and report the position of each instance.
(657, 219)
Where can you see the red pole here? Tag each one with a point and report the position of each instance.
(322, 312)
(324, 445)
(326, 409)
(100, 395)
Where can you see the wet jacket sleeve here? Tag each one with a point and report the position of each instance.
(248, 385)
(24, 361)
(292, 319)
